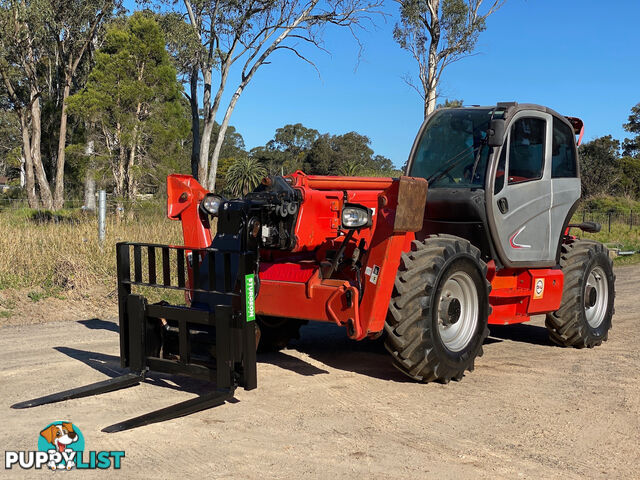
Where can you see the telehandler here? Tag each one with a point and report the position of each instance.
(477, 233)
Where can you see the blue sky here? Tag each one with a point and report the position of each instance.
(580, 58)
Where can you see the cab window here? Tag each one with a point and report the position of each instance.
(563, 154)
(526, 150)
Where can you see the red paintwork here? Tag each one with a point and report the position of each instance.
(578, 127)
(184, 195)
(513, 297)
(318, 230)
(287, 271)
(290, 282)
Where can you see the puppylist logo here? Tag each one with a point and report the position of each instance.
(61, 447)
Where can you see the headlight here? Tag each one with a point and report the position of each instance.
(211, 204)
(355, 216)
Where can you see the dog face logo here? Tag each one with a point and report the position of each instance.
(62, 438)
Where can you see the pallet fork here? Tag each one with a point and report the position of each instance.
(214, 339)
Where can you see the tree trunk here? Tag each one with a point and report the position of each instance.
(89, 191)
(131, 181)
(58, 200)
(36, 133)
(432, 66)
(211, 110)
(209, 119)
(211, 184)
(195, 123)
(430, 93)
(30, 181)
(119, 172)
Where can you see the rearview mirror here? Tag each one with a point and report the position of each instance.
(495, 134)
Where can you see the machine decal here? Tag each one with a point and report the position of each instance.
(250, 293)
(374, 274)
(512, 240)
(539, 288)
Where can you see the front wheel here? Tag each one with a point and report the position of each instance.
(438, 313)
(584, 316)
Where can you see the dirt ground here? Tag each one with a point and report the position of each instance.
(333, 408)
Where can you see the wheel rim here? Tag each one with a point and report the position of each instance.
(596, 297)
(457, 311)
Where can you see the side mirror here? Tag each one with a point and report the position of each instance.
(495, 134)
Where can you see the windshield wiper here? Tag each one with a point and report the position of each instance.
(450, 165)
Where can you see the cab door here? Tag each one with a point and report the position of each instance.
(519, 201)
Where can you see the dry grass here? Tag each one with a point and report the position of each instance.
(67, 256)
(63, 264)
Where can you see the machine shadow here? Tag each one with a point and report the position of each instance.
(109, 365)
(99, 324)
(291, 363)
(521, 332)
(327, 343)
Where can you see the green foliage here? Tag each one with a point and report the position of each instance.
(631, 146)
(451, 104)
(437, 33)
(616, 205)
(10, 151)
(629, 185)
(134, 108)
(297, 147)
(244, 174)
(604, 172)
(599, 166)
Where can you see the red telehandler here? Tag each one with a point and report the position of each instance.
(477, 233)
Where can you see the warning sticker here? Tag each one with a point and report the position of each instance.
(375, 271)
(538, 291)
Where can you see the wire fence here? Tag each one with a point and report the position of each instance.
(609, 219)
(113, 204)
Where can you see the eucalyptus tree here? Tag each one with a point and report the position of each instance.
(437, 33)
(73, 25)
(23, 53)
(42, 44)
(247, 33)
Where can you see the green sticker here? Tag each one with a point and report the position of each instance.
(250, 293)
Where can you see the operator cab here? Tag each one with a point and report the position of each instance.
(503, 177)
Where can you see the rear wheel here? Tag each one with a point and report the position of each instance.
(584, 316)
(437, 318)
(276, 332)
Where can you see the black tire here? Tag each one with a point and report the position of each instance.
(569, 326)
(276, 332)
(413, 326)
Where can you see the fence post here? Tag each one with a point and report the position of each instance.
(102, 214)
(631, 220)
(609, 222)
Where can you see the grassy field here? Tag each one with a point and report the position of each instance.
(42, 260)
(622, 236)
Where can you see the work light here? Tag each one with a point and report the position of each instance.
(355, 216)
(211, 204)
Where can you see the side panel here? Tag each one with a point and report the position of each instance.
(516, 294)
(519, 213)
(565, 192)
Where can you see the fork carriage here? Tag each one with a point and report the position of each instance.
(214, 339)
